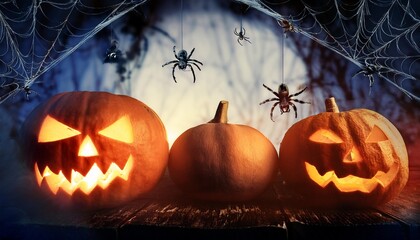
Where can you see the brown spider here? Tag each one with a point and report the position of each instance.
(184, 60)
(283, 99)
(241, 36)
(287, 26)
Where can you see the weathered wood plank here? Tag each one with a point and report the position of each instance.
(406, 207)
(207, 215)
(205, 220)
(167, 212)
(177, 215)
(342, 224)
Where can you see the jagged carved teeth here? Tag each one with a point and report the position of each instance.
(94, 177)
(352, 183)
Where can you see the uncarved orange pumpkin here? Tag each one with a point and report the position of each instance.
(218, 161)
(95, 148)
(355, 158)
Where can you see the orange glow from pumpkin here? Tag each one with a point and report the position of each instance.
(325, 136)
(353, 156)
(120, 130)
(87, 148)
(376, 135)
(87, 183)
(53, 130)
(352, 183)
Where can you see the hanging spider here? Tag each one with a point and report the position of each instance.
(28, 91)
(283, 99)
(183, 61)
(11, 89)
(287, 26)
(241, 36)
(368, 70)
(113, 54)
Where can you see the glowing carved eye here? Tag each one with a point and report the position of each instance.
(120, 130)
(325, 136)
(376, 135)
(53, 130)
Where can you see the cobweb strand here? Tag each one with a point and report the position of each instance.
(33, 41)
(378, 36)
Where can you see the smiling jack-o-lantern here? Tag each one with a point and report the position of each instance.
(353, 158)
(95, 147)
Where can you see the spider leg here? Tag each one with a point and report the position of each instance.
(191, 53)
(371, 81)
(192, 70)
(299, 101)
(272, 110)
(358, 72)
(243, 31)
(247, 39)
(193, 60)
(269, 100)
(239, 42)
(175, 53)
(295, 94)
(174, 61)
(269, 89)
(196, 66)
(173, 71)
(235, 32)
(294, 108)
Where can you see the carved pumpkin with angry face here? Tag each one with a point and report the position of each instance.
(353, 158)
(97, 147)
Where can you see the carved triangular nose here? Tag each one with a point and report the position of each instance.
(353, 156)
(87, 148)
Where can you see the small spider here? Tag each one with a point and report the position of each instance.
(183, 61)
(368, 70)
(28, 91)
(283, 99)
(241, 36)
(287, 26)
(113, 54)
(11, 89)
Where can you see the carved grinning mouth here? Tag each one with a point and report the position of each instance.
(352, 183)
(94, 177)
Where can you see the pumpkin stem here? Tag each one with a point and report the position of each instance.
(331, 105)
(221, 113)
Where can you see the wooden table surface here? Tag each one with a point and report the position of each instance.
(166, 213)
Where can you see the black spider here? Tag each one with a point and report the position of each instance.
(113, 54)
(28, 91)
(11, 89)
(183, 61)
(368, 70)
(283, 99)
(241, 36)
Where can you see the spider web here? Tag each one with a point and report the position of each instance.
(381, 37)
(36, 35)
